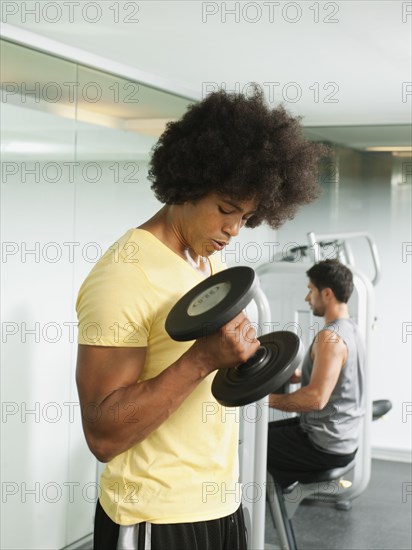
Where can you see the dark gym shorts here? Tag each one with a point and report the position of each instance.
(228, 533)
(290, 449)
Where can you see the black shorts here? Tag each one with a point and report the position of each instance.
(290, 449)
(228, 533)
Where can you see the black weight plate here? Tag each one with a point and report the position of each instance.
(211, 304)
(277, 359)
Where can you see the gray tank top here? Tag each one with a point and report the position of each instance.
(335, 428)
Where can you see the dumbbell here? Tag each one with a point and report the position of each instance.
(213, 303)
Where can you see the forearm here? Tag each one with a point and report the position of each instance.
(305, 399)
(118, 412)
(129, 414)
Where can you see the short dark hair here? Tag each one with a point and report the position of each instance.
(236, 146)
(334, 275)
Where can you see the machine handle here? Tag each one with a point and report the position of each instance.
(315, 240)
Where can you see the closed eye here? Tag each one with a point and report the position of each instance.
(222, 211)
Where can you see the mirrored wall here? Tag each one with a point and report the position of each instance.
(75, 148)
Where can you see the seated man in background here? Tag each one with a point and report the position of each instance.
(330, 400)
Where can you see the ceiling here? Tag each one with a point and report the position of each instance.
(345, 67)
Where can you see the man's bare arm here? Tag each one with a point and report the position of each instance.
(329, 355)
(118, 412)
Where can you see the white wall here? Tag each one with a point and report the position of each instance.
(70, 186)
(365, 200)
(48, 473)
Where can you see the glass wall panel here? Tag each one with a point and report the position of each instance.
(75, 147)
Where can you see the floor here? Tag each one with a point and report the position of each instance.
(380, 518)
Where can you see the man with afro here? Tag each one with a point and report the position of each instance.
(171, 477)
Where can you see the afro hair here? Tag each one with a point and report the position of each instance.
(235, 145)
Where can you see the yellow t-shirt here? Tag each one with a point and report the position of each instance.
(187, 469)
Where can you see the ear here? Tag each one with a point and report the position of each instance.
(327, 294)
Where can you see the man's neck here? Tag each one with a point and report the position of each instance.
(337, 311)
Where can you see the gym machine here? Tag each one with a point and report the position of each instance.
(216, 301)
(283, 284)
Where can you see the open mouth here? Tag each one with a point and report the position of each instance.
(218, 245)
